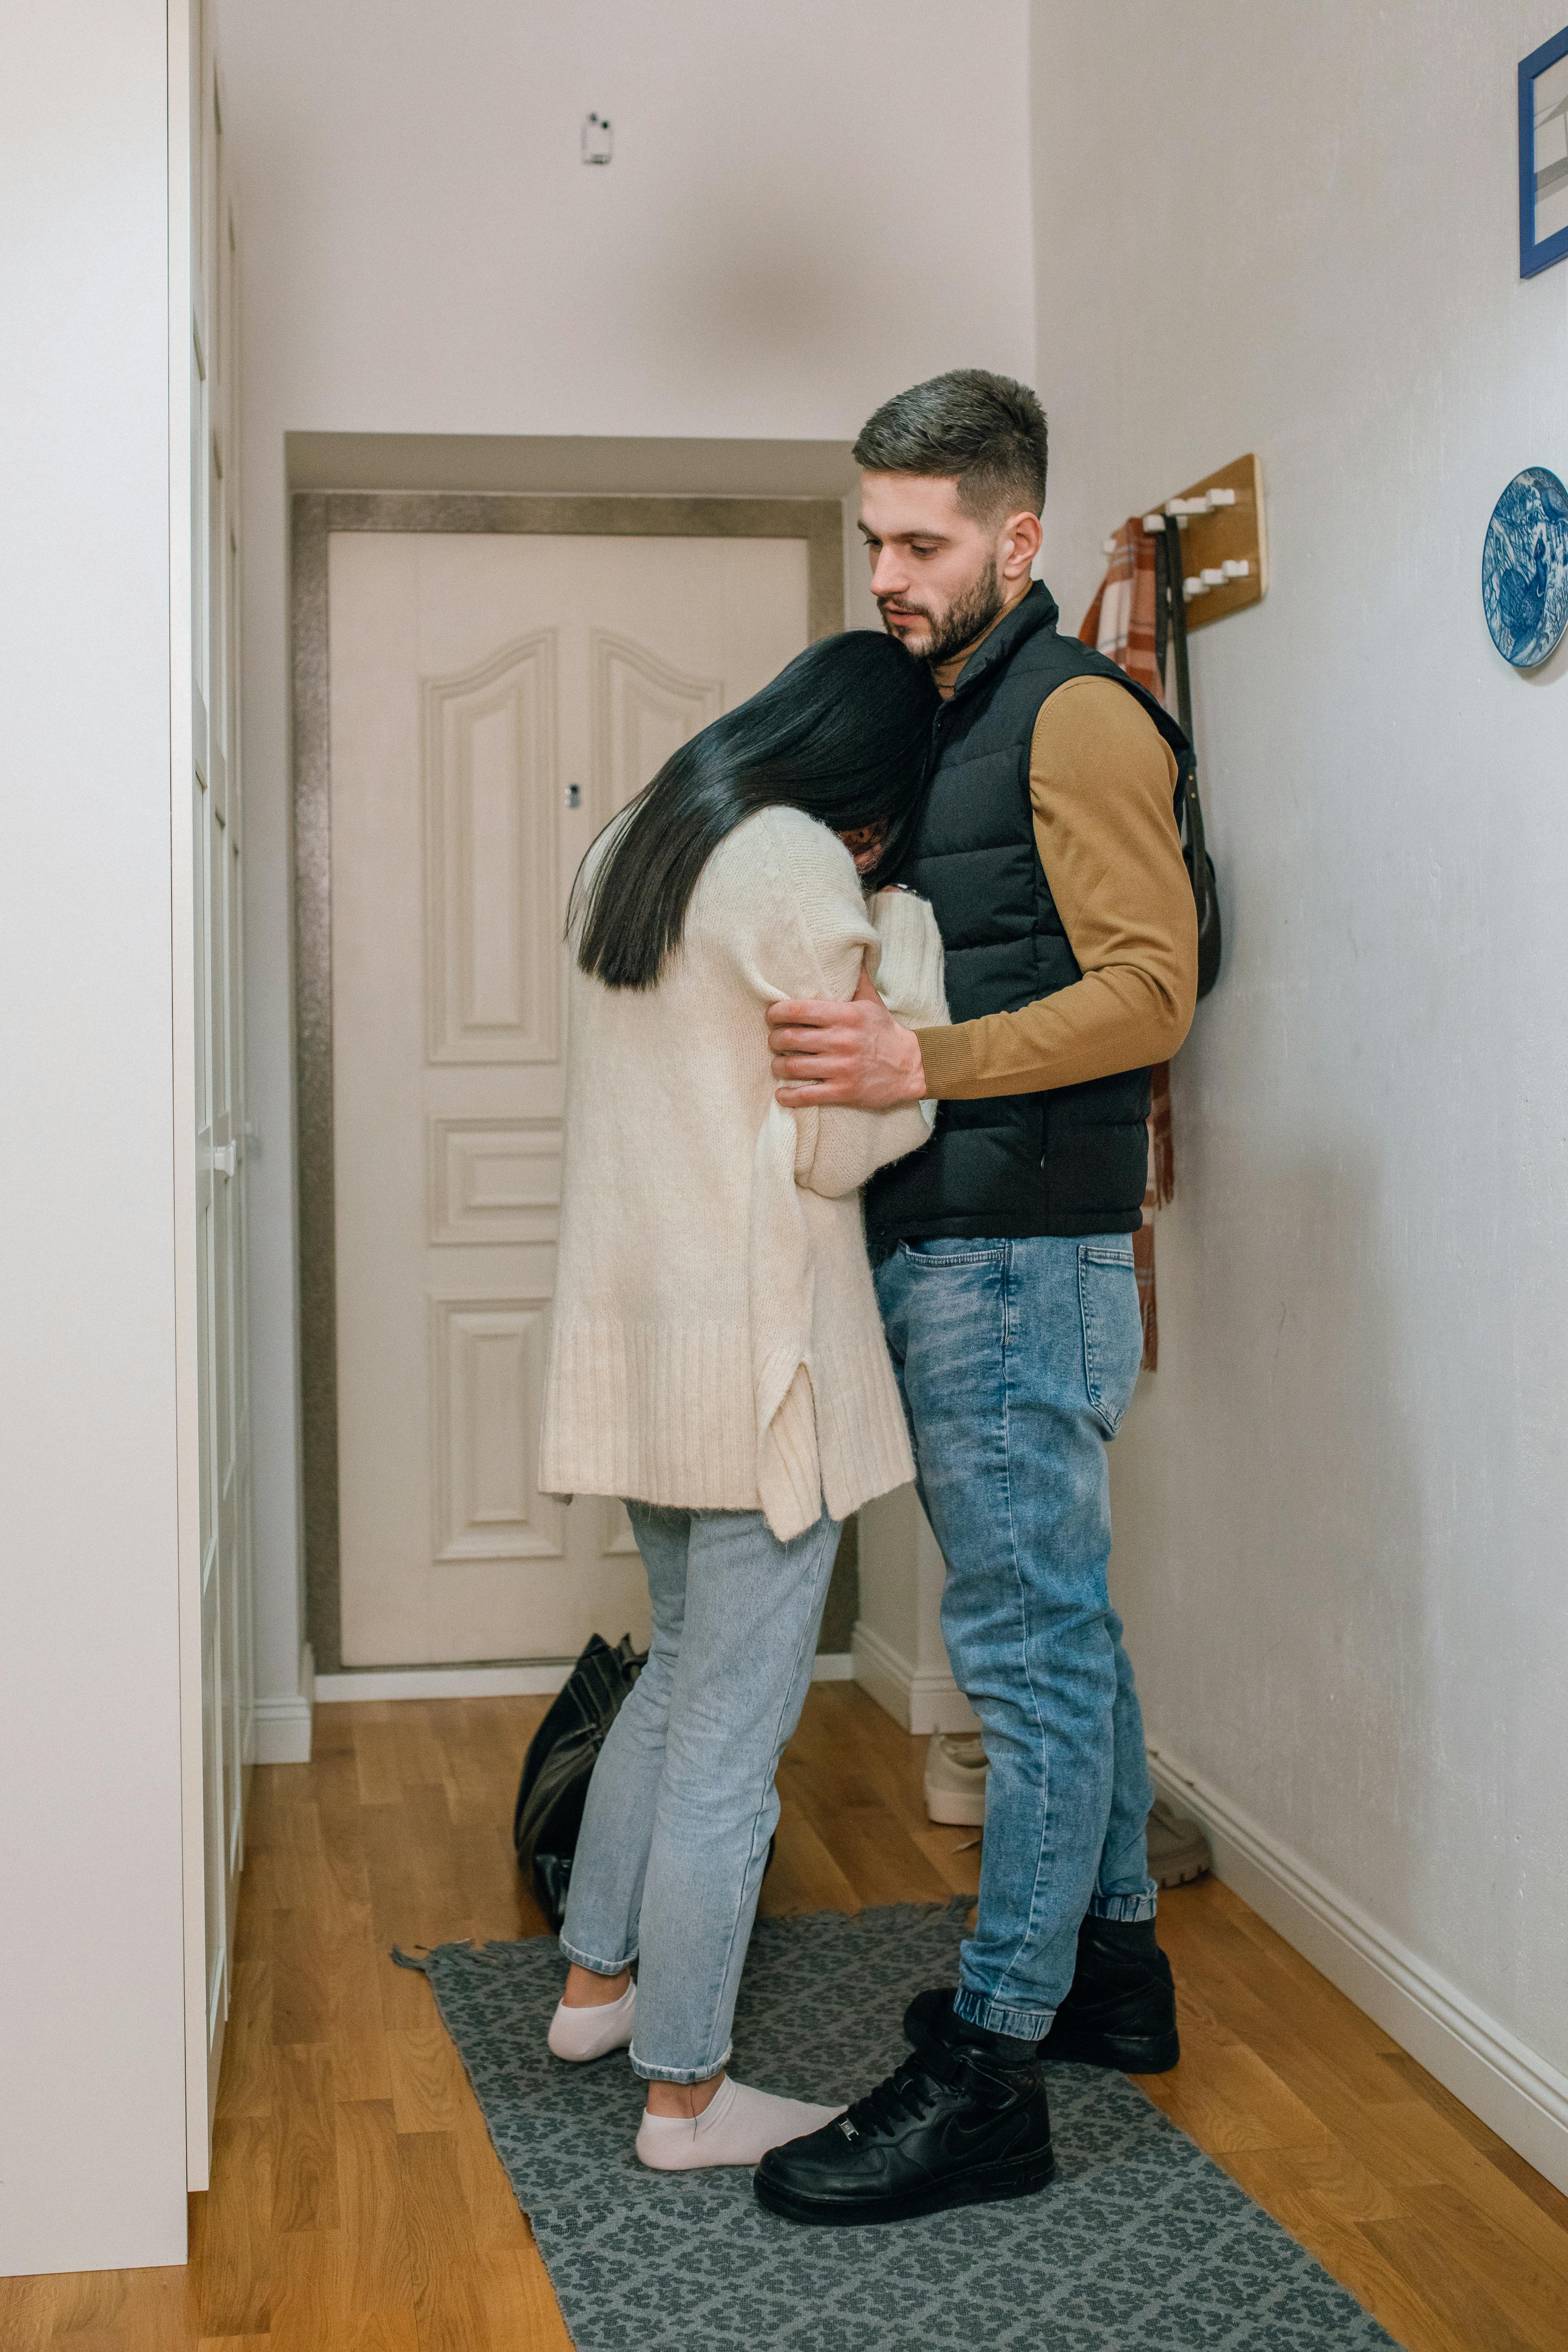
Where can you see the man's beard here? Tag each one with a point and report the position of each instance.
(965, 619)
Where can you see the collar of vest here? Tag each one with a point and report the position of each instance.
(1038, 610)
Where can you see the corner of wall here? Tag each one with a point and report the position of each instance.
(899, 1655)
(283, 1723)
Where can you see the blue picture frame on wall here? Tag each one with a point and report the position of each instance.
(1543, 156)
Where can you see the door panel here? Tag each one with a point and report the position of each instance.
(494, 699)
(491, 967)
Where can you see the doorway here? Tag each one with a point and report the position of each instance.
(483, 682)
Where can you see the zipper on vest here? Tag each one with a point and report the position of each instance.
(936, 726)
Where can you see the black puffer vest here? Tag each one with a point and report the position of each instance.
(1074, 1159)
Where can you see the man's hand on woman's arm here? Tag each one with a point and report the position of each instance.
(829, 1052)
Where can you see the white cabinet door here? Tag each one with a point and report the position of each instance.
(218, 1634)
(493, 700)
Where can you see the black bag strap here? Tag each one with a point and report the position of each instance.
(1171, 612)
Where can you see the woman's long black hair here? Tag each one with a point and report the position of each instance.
(842, 733)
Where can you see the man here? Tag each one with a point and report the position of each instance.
(1049, 849)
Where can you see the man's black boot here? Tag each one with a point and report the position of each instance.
(1119, 2010)
(959, 2123)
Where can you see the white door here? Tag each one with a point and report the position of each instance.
(222, 1605)
(494, 699)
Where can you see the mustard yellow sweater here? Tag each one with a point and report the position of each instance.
(1101, 777)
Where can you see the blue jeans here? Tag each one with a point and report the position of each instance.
(681, 1807)
(1016, 1361)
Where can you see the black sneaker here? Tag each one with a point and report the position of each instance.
(1119, 2010)
(954, 2125)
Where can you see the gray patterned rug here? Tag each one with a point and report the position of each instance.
(1140, 2244)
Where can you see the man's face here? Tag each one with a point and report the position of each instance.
(939, 576)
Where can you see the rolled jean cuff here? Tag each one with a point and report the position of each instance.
(677, 2073)
(994, 2017)
(1125, 1906)
(596, 1967)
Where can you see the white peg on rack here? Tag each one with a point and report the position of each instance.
(1221, 498)
(1193, 586)
(1154, 522)
(1212, 577)
(1108, 547)
(1234, 569)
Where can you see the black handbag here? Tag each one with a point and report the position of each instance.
(1170, 616)
(560, 1763)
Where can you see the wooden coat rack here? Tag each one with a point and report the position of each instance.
(1225, 547)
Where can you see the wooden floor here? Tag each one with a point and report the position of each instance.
(356, 2204)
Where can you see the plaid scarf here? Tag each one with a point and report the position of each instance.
(1121, 624)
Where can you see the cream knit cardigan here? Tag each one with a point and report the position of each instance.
(715, 1342)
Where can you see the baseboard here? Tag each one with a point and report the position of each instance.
(921, 1698)
(280, 1727)
(1522, 2097)
(283, 1729)
(536, 1680)
(540, 1680)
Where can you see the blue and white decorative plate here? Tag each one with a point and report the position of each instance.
(1524, 568)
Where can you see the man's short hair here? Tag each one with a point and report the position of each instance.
(982, 431)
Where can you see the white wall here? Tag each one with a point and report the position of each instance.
(808, 207)
(92, 2061)
(1339, 1504)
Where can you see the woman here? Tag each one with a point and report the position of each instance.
(716, 1356)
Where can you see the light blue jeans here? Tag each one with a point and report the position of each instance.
(681, 1807)
(1017, 1359)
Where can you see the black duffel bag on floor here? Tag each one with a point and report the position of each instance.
(559, 1764)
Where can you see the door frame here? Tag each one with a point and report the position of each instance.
(314, 516)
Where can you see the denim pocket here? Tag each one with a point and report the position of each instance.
(1112, 1329)
(946, 1253)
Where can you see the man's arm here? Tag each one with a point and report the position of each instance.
(1101, 781)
